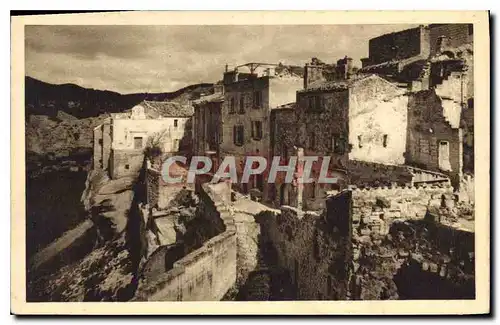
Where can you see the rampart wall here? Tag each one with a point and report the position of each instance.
(208, 272)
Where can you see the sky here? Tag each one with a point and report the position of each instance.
(130, 59)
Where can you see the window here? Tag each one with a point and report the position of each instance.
(176, 124)
(221, 132)
(360, 145)
(311, 103)
(231, 106)
(312, 140)
(284, 151)
(238, 135)
(470, 103)
(137, 142)
(338, 144)
(384, 140)
(257, 99)
(100, 142)
(256, 130)
(259, 182)
(127, 166)
(242, 104)
(315, 104)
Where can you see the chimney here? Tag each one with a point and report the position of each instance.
(442, 43)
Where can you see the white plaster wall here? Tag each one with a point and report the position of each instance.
(124, 131)
(377, 108)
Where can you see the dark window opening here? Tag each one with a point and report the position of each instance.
(315, 104)
(175, 123)
(384, 140)
(256, 130)
(100, 142)
(359, 142)
(231, 106)
(257, 99)
(242, 104)
(260, 182)
(127, 166)
(338, 144)
(284, 151)
(312, 141)
(238, 135)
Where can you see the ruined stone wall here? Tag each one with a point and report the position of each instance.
(386, 204)
(314, 248)
(247, 239)
(362, 173)
(206, 273)
(125, 163)
(397, 229)
(398, 45)
(427, 127)
(400, 228)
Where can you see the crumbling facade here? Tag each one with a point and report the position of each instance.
(358, 127)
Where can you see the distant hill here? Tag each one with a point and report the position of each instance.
(60, 118)
(47, 99)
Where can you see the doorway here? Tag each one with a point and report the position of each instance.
(137, 142)
(444, 156)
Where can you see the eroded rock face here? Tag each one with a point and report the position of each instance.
(108, 202)
(106, 274)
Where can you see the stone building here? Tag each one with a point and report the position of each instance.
(120, 142)
(283, 134)
(251, 92)
(207, 121)
(347, 121)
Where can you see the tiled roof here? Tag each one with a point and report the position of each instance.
(287, 106)
(167, 109)
(335, 85)
(392, 64)
(213, 98)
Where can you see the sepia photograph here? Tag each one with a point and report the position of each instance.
(322, 161)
